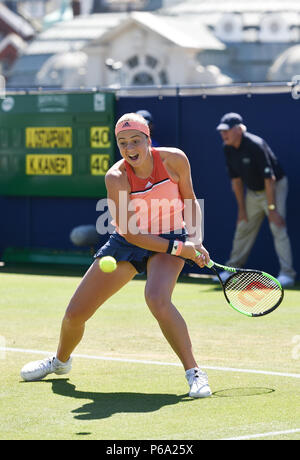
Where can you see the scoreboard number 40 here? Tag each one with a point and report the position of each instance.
(100, 137)
(100, 164)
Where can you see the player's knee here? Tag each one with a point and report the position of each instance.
(157, 303)
(74, 317)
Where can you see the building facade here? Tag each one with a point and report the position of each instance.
(184, 43)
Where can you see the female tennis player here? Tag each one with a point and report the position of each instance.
(155, 235)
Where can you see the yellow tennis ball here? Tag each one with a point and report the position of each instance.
(108, 264)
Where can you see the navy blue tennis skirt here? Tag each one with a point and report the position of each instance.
(120, 249)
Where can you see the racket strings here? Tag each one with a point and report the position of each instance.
(252, 292)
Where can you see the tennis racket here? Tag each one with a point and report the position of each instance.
(250, 292)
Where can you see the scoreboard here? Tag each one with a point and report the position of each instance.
(56, 144)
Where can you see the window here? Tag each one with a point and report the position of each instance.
(163, 78)
(133, 62)
(151, 61)
(143, 78)
(145, 70)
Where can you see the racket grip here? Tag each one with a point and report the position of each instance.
(210, 263)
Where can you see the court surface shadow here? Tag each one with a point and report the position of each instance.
(102, 405)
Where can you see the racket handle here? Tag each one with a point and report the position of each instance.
(210, 263)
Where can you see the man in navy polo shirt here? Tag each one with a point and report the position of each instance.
(252, 165)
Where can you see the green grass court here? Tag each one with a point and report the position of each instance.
(128, 385)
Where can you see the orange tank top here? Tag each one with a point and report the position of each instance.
(156, 199)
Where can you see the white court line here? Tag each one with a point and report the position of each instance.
(159, 363)
(262, 435)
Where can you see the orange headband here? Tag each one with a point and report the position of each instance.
(126, 125)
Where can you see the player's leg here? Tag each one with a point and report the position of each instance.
(162, 273)
(94, 289)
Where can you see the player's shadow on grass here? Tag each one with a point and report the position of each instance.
(104, 405)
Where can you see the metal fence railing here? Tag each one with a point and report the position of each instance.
(174, 90)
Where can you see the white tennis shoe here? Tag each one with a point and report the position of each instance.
(198, 382)
(37, 370)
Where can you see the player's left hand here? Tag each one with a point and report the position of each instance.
(189, 251)
(203, 258)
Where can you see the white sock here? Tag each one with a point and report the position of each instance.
(191, 371)
(60, 363)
